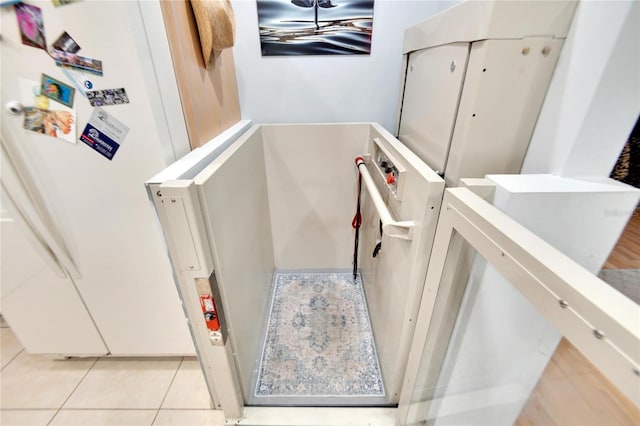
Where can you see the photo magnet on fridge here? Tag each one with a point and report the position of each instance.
(58, 124)
(107, 97)
(65, 43)
(104, 133)
(58, 3)
(41, 115)
(31, 25)
(57, 90)
(78, 79)
(64, 59)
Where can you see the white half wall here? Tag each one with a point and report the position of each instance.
(235, 203)
(314, 89)
(593, 100)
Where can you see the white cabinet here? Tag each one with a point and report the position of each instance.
(475, 80)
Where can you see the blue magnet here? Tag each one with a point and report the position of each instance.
(88, 84)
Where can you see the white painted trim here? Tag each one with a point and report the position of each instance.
(480, 186)
(200, 157)
(162, 87)
(316, 416)
(482, 20)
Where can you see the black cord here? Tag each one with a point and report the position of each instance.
(378, 246)
(357, 221)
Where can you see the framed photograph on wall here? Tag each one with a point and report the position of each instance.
(315, 27)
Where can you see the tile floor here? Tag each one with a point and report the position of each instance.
(38, 390)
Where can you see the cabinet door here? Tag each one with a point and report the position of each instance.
(432, 90)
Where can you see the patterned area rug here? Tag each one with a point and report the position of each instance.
(319, 341)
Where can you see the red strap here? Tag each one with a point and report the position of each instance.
(357, 221)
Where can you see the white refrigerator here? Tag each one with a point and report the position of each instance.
(84, 268)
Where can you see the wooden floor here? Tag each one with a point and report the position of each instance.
(571, 390)
(626, 253)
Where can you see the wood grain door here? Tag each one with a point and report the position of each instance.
(209, 96)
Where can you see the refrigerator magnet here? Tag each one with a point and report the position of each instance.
(78, 79)
(55, 123)
(66, 43)
(64, 59)
(107, 97)
(31, 25)
(104, 133)
(43, 116)
(57, 90)
(58, 3)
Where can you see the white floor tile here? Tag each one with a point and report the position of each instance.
(189, 389)
(36, 381)
(189, 418)
(125, 383)
(25, 417)
(9, 346)
(104, 417)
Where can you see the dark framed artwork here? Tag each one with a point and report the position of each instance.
(315, 27)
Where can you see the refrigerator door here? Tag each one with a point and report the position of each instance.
(30, 206)
(97, 208)
(37, 298)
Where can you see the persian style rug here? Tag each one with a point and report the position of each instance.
(319, 341)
